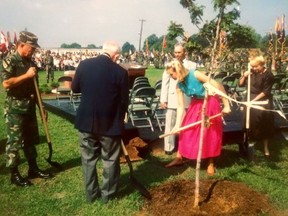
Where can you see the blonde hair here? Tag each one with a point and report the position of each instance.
(257, 60)
(177, 67)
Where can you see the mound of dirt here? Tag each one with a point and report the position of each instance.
(136, 149)
(217, 197)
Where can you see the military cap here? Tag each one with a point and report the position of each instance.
(28, 38)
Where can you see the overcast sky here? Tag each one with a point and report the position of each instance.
(93, 21)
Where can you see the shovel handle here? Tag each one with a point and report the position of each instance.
(188, 126)
(41, 110)
(127, 157)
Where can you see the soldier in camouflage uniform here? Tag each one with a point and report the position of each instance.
(18, 72)
(49, 64)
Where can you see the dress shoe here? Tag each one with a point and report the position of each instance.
(176, 162)
(18, 180)
(37, 173)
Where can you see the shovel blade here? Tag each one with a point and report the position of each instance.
(138, 186)
(55, 164)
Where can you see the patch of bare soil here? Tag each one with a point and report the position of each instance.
(217, 197)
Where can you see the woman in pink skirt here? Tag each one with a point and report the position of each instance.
(191, 84)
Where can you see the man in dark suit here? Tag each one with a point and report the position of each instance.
(103, 85)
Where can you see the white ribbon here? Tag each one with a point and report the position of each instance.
(251, 104)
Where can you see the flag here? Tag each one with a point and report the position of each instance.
(15, 38)
(283, 26)
(277, 27)
(223, 40)
(271, 41)
(8, 38)
(282, 36)
(164, 44)
(3, 43)
(147, 46)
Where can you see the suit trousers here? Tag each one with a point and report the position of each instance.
(92, 148)
(170, 120)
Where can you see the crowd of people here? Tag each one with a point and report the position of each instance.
(100, 125)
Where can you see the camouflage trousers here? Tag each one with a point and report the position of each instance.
(22, 133)
(49, 73)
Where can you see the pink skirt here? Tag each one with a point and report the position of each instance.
(212, 140)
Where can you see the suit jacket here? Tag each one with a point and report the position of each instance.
(103, 85)
(168, 89)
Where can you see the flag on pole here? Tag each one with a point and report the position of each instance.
(277, 26)
(15, 38)
(271, 41)
(282, 38)
(147, 46)
(3, 43)
(283, 26)
(8, 37)
(278, 30)
(164, 44)
(223, 40)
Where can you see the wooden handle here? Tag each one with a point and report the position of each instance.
(188, 126)
(248, 98)
(41, 110)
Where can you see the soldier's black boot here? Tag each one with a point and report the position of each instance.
(17, 179)
(35, 172)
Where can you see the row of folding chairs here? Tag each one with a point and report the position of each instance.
(144, 101)
(280, 93)
(144, 104)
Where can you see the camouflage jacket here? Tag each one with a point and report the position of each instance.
(20, 99)
(49, 61)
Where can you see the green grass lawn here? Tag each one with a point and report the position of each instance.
(64, 194)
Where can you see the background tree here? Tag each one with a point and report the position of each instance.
(175, 30)
(91, 46)
(73, 45)
(243, 37)
(127, 48)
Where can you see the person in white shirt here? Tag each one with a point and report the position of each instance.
(168, 98)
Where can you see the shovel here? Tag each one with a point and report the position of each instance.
(190, 125)
(135, 183)
(49, 159)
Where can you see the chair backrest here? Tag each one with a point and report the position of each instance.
(143, 95)
(141, 81)
(219, 76)
(64, 82)
(140, 85)
(228, 80)
(65, 79)
(158, 86)
(284, 84)
(236, 74)
(142, 78)
(229, 83)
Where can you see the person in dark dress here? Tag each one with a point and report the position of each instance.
(261, 124)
